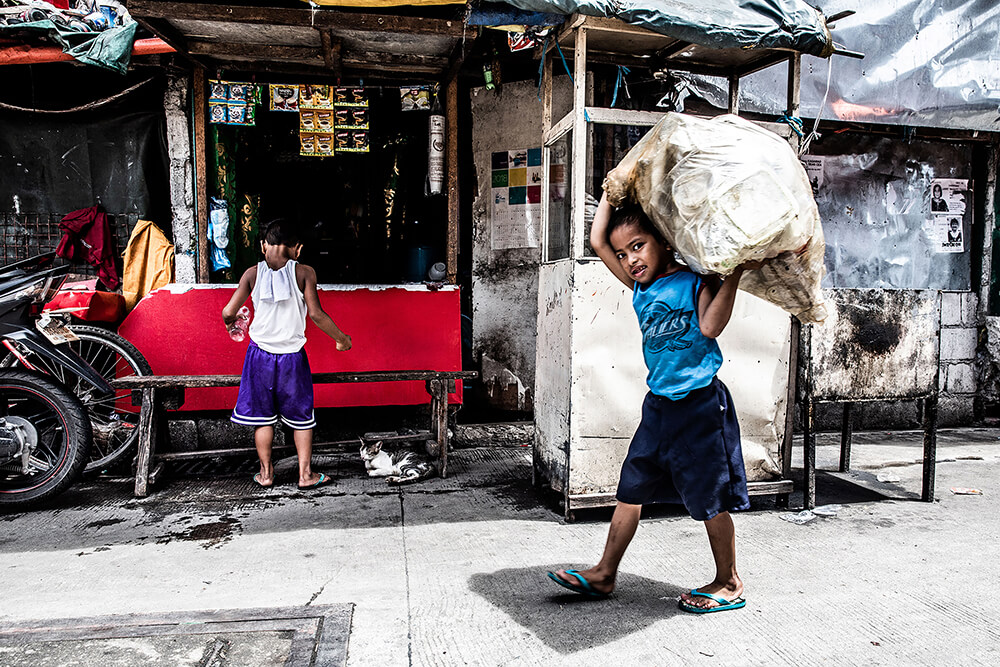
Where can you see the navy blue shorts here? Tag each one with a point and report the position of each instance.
(688, 452)
(275, 386)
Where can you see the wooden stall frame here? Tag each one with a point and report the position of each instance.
(579, 120)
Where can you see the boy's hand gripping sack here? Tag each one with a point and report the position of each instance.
(725, 192)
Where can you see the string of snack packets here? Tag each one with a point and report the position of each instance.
(332, 119)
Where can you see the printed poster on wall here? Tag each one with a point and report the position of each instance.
(948, 204)
(948, 195)
(814, 171)
(516, 198)
(947, 234)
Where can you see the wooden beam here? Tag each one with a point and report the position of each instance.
(223, 50)
(171, 36)
(320, 18)
(331, 52)
(451, 161)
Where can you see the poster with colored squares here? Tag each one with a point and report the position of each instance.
(516, 198)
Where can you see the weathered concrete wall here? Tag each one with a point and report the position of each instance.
(961, 374)
(177, 108)
(505, 282)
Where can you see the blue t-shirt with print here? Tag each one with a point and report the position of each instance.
(679, 357)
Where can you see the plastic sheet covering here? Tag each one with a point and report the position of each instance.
(931, 64)
(745, 24)
(725, 192)
(110, 49)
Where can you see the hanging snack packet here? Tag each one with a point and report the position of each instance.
(307, 121)
(218, 112)
(218, 91)
(284, 97)
(324, 120)
(315, 97)
(307, 144)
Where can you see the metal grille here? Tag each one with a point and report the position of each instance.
(24, 235)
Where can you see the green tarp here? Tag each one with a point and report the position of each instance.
(744, 24)
(110, 49)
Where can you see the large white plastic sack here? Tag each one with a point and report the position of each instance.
(723, 192)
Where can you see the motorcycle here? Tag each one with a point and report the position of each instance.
(45, 430)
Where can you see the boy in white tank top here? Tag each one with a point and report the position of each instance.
(276, 382)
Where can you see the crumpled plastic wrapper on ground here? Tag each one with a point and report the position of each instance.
(723, 192)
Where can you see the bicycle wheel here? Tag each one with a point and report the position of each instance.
(114, 419)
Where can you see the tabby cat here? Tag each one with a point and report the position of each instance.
(399, 467)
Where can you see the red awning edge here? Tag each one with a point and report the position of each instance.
(26, 54)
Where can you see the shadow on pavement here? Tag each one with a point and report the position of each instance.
(567, 622)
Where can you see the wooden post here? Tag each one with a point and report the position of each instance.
(794, 93)
(794, 84)
(546, 94)
(930, 445)
(809, 454)
(579, 156)
(788, 439)
(147, 442)
(200, 113)
(546, 161)
(451, 159)
(438, 389)
(846, 434)
(734, 93)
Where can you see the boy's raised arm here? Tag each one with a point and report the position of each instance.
(715, 305)
(239, 296)
(602, 246)
(316, 312)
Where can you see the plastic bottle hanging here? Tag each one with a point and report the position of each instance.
(435, 147)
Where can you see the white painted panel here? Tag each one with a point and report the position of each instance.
(553, 379)
(755, 348)
(609, 374)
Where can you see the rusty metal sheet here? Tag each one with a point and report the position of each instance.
(876, 344)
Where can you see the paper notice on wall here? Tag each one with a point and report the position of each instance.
(516, 198)
(946, 233)
(814, 170)
(949, 195)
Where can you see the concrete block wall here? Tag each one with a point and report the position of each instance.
(959, 341)
(958, 381)
(176, 107)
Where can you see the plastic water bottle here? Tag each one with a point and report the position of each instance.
(238, 329)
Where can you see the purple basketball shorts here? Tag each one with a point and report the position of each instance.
(275, 386)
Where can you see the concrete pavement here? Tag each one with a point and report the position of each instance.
(452, 572)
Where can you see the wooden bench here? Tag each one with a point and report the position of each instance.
(156, 393)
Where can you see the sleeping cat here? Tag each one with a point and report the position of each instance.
(400, 467)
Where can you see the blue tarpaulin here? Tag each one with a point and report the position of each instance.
(745, 24)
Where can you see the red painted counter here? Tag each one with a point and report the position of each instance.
(179, 330)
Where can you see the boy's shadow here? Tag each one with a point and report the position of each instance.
(568, 622)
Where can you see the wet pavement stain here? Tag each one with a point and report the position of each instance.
(104, 523)
(214, 534)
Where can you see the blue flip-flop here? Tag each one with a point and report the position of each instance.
(323, 480)
(583, 589)
(724, 604)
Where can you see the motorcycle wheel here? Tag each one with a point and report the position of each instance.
(114, 419)
(57, 420)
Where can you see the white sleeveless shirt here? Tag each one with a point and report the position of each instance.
(279, 310)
